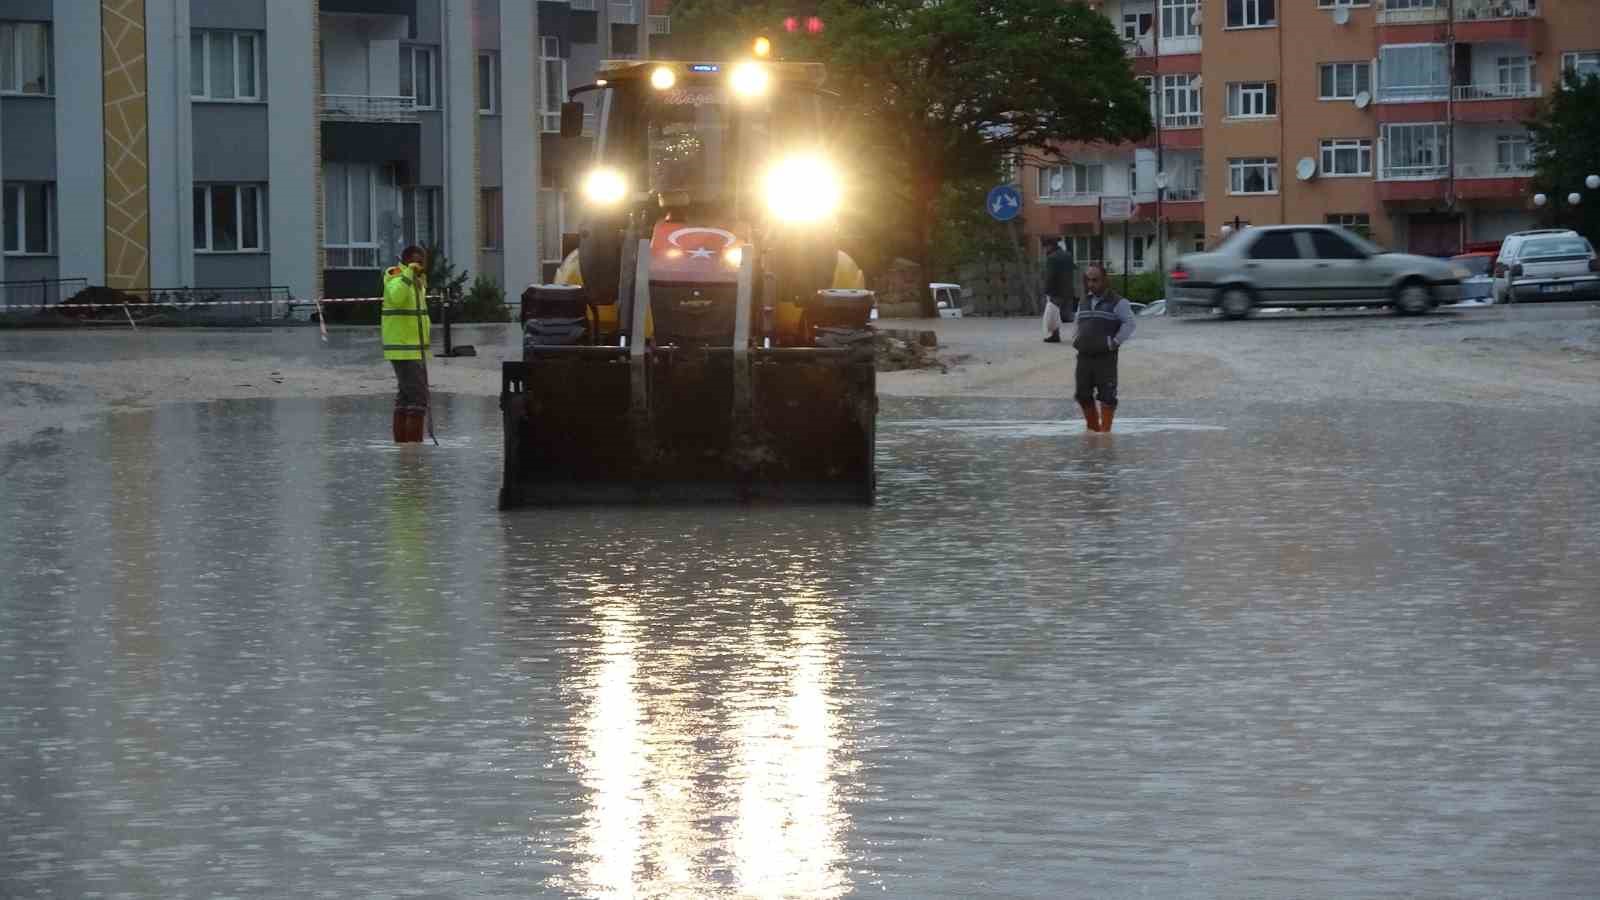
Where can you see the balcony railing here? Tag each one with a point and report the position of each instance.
(624, 12)
(1140, 47)
(1073, 198)
(1184, 120)
(1174, 46)
(1494, 170)
(359, 108)
(1184, 195)
(1426, 172)
(660, 25)
(1466, 92)
(1478, 10)
(1410, 12)
(351, 257)
(1413, 93)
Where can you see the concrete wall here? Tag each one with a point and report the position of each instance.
(293, 167)
(520, 94)
(171, 144)
(429, 24)
(34, 11)
(490, 140)
(460, 130)
(239, 15)
(28, 140)
(80, 150)
(430, 163)
(228, 143)
(28, 268)
(238, 270)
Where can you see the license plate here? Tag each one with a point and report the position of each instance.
(1555, 288)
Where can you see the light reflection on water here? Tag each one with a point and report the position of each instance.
(251, 648)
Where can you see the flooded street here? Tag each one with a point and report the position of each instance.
(250, 648)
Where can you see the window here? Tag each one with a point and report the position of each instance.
(1180, 102)
(1253, 176)
(29, 218)
(417, 76)
(1512, 153)
(1252, 99)
(227, 218)
(583, 5)
(1360, 223)
(350, 209)
(1141, 245)
(1514, 75)
(1086, 248)
(624, 12)
(1332, 245)
(1413, 72)
(1582, 64)
(224, 65)
(25, 58)
(1351, 156)
(488, 83)
(1329, 4)
(1136, 25)
(1415, 151)
(489, 219)
(1252, 13)
(1148, 82)
(1343, 81)
(419, 214)
(1062, 182)
(1179, 19)
(555, 82)
(1415, 4)
(1275, 245)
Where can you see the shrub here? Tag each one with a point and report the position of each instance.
(486, 302)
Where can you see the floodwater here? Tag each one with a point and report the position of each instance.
(252, 649)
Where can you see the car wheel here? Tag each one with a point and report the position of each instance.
(1236, 302)
(1412, 299)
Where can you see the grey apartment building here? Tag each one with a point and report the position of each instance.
(157, 144)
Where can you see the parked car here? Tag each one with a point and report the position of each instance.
(1546, 265)
(1479, 284)
(1310, 266)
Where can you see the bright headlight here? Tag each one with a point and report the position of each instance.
(605, 187)
(803, 189)
(750, 79)
(663, 78)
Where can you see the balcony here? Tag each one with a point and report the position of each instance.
(361, 108)
(1467, 93)
(1413, 12)
(1494, 10)
(1179, 46)
(660, 26)
(1483, 21)
(1141, 47)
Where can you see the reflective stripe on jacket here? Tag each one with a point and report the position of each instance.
(404, 305)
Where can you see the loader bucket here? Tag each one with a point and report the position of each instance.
(596, 425)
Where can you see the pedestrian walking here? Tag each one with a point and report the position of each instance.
(406, 335)
(1105, 323)
(1057, 291)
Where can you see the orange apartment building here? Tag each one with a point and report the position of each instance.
(1402, 118)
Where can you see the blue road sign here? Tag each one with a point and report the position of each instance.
(1005, 203)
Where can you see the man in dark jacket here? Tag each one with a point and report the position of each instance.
(1058, 284)
(1105, 323)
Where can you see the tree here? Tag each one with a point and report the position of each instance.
(936, 93)
(1566, 140)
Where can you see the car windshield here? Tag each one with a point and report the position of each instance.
(1477, 265)
(1545, 248)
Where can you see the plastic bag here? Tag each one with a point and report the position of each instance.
(1052, 317)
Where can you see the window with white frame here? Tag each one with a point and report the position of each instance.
(1252, 13)
(583, 5)
(417, 76)
(1416, 151)
(1360, 223)
(1330, 4)
(25, 58)
(29, 218)
(555, 82)
(488, 83)
(350, 204)
(1180, 101)
(1252, 99)
(1062, 182)
(1141, 246)
(1513, 75)
(1415, 4)
(1512, 153)
(1010, 168)
(224, 65)
(1136, 25)
(419, 215)
(1414, 72)
(1343, 81)
(624, 12)
(1583, 63)
(1179, 19)
(489, 219)
(227, 218)
(1258, 175)
(1347, 156)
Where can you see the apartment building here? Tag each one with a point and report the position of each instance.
(157, 144)
(1401, 118)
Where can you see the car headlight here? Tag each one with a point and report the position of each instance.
(803, 189)
(605, 187)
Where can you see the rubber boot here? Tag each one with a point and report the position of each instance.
(1107, 413)
(1090, 416)
(399, 426)
(415, 420)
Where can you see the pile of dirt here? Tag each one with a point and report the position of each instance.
(899, 350)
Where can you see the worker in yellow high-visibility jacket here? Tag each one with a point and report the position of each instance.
(405, 341)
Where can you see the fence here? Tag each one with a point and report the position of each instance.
(73, 302)
(40, 292)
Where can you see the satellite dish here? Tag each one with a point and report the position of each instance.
(1306, 169)
(1195, 19)
(1341, 15)
(1363, 100)
(1197, 81)
(1162, 180)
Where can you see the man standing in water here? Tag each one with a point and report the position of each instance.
(405, 340)
(1105, 323)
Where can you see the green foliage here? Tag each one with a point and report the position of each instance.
(484, 303)
(935, 93)
(963, 232)
(442, 275)
(1145, 287)
(1566, 135)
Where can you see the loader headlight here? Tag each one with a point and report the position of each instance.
(803, 189)
(750, 79)
(605, 187)
(663, 78)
